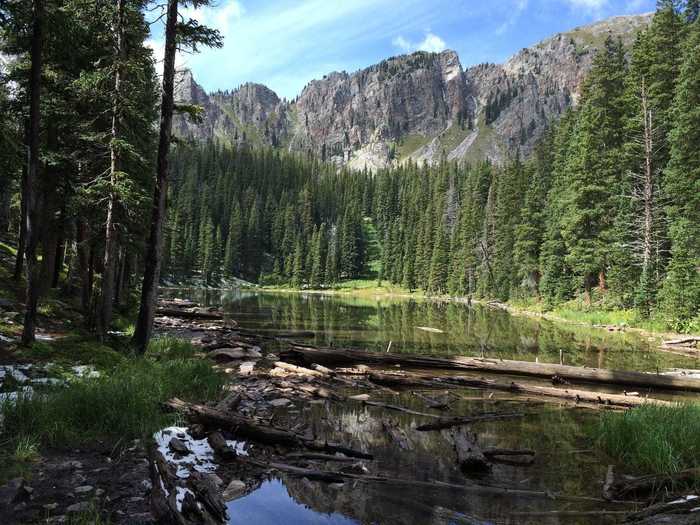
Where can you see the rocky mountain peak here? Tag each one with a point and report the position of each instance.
(417, 106)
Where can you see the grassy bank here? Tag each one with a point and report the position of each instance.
(652, 439)
(598, 314)
(123, 403)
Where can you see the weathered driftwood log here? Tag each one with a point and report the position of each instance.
(515, 457)
(397, 408)
(189, 314)
(469, 455)
(315, 456)
(497, 366)
(449, 422)
(622, 487)
(208, 496)
(578, 396)
(683, 341)
(255, 429)
(668, 512)
(300, 370)
(435, 404)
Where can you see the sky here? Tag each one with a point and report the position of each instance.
(286, 43)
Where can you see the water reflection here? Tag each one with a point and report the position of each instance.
(271, 504)
(476, 331)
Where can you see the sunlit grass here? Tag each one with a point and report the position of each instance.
(652, 439)
(122, 404)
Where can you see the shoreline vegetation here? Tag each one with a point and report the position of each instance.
(572, 312)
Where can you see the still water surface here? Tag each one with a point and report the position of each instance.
(567, 460)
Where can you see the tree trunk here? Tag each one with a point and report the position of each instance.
(19, 259)
(83, 249)
(107, 292)
(31, 193)
(149, 289)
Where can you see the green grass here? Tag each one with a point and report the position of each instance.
(11, 250)
(453, 137)
(27, 449)
(73, 350)
(652, 439)
(409, 145)
(122, 404)
(170, 348)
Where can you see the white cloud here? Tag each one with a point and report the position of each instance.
(589, 5)
(401, 43)
(518, 7)
(221, 16)
(431, 43)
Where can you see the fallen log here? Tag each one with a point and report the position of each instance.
(300, 370)
(255, 429)
(397, 408)
(320, 457)
(683, 341)
(515, 457)
(450, 422)
(432, 403)
(189, 314)
(431, 485)
(469, 455)
(578, 396)
(622, 487)
(496, 366)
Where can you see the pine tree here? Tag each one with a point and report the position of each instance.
(680, 294)
(594, 169)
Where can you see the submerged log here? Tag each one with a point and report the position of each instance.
(449, 422)
(255, 429)
(469, 455)
(189, 314)
(428, 485)
(622, 488)
(578, 396)
(498, 366)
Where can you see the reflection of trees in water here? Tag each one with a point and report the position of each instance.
(553, 433)
(476, 330)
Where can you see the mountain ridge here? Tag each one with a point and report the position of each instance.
(420, 106)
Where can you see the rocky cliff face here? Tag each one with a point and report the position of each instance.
(420, 106)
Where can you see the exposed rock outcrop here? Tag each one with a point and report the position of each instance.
(419, 106)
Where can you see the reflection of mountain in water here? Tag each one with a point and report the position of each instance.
(428, 456)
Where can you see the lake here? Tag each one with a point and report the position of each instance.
(567, 462)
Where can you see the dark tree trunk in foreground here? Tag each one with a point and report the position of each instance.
(19, 259)
(31, 190)
(104, 316)
(149, 290)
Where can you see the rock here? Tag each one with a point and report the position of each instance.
(50, 506)
(246, 368)
(84, 489)
(353, 118)
(231, 354)
(234, 490)
(81, 506)
(179, 447)
(197, 431)
(22, 491)
(281, 402)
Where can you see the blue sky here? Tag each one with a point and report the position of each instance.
(286, 43)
